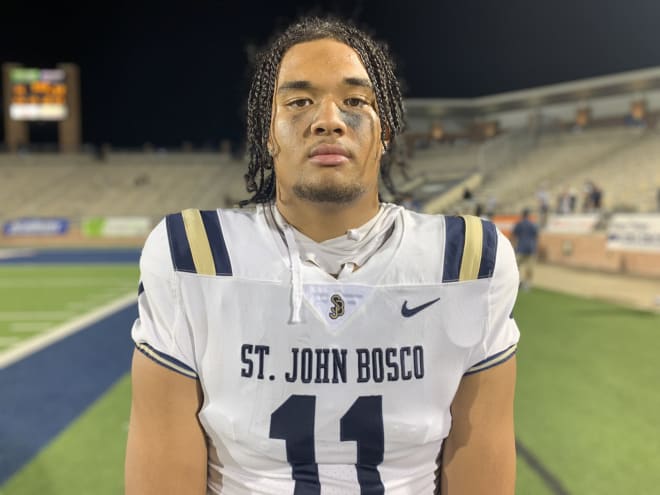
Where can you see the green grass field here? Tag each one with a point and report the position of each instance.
(587, 399)
(35, 298)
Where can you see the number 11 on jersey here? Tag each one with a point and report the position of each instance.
(293, 422)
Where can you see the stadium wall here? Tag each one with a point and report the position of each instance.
(73, 238)
(583, 251)
(589, 251)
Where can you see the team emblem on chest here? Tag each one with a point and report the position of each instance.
(337, 308)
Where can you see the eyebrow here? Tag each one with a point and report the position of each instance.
(351, 81)
(358, 81)
(294, 85)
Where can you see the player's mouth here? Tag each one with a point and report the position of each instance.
(329, 154)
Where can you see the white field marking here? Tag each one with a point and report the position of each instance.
(6, 254)
(34, 315)
(29, 326)
(42, 340)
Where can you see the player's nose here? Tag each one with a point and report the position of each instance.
(328, 120)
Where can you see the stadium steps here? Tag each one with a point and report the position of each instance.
(553, 165)
(628, 176)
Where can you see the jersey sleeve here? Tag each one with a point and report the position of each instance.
(160, 331)
(502, 334)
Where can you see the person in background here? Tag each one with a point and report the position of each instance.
(525, 233)
(572, 199)
(491, 206)
(563, 202)
(543, 200)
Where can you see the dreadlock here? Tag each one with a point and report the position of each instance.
(260, 177)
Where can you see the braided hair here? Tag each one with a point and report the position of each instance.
(260, 177)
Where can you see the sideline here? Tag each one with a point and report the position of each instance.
(43, 393)
(629, 291)
(59, 332)
(9, 254)
(551, 481)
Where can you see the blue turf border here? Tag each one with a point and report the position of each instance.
(43, 393)
(76, 256)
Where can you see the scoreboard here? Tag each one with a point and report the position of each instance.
(37, 94)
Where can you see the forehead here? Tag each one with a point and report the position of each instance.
(321, 60)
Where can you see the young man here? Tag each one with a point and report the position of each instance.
(526, 233)
(326, 342)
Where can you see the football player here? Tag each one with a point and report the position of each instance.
(323, 342)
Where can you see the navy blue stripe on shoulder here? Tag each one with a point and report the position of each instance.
(454, 242)
(140, 288)
(489, 249)
(216, 242)
(179, 247)
(165, 360)
(494, 360)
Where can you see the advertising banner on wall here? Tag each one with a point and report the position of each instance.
(116, 226)
(34, 226)
(634, 232)
(579, 223)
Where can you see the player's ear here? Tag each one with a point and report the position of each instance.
(271, 143)
(272, 147)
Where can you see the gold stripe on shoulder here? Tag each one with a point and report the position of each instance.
(198, 241)
(474, 239)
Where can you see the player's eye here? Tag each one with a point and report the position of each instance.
(299, 103)
(356, 102)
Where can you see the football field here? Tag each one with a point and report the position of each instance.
(587, 401)
(36, 298)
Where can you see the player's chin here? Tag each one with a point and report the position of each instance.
(335, 192)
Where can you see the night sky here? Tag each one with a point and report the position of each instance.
(172, 71)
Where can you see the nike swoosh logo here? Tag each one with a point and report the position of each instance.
(408, 312)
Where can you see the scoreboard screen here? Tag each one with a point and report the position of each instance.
(37, 94)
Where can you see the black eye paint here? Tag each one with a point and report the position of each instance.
(297, 117)
(352, 120)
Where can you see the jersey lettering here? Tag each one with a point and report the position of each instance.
(324, 365)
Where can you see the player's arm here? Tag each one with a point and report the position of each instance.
(166, 451)
(479, 454)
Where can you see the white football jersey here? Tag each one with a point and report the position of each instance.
(354, 398)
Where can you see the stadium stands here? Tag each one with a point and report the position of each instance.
(151, 184)
(623, 161)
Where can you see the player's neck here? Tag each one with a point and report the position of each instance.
(323, 221)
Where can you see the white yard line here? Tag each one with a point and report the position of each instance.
(6, 254)
(59, 332)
